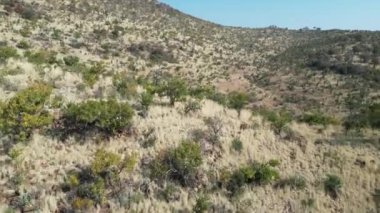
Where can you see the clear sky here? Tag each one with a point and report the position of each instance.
(294, 14)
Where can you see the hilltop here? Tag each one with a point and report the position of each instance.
(131, 105)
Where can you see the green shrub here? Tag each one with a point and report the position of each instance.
(25, 112)
(202, 204)
(256, 173)
(237, 145)
(23, 45)
(294, 182)
(278, 119)
(91, 74)
(192, 106)
(174, 88)
(201, 92)
(333, 185)
(6, 53)
(318, 118)
(237, 100)
(125, 86)
(146, 100)
(109, 117)
(41, 57)
(91, 185)
(94, 191)
(179, 163)
(71, 60)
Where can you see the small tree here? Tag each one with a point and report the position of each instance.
(237, 100)
(174, 88)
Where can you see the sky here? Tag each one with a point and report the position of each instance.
(293, 14)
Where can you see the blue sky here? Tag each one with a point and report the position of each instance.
(294, 14)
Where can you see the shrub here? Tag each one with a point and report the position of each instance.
(23, 45)
(192, 106)
(237, 100)
(71, 60)
(6, 53)
(294, 182)
(125, 86)
(41, 57)
(170, 193)
(104, 160)
(333, 185)
(201, 92)
(94, 191)
(215, 126)
(91, 74)
(256, 173)
(146, 100)
(278, 119)
(109, 117)
(202, 204)
(318, 118)
(82, 203)
(237, 145)
(90, 186)
(174, 88)
(25, 112)
(179, 163)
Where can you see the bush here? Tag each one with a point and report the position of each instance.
(146, 100)
(333, 185)
(215, 126)
(109, 117)
(202, 204)
(125, 86)
(256, 173)
(237, 101)
(23, 45)
(174, 88)
(192, 106)
(91, 74)
(6, 53)
(278, 119)
(71, 60)
(41, 57)
(178, 164)
(318, 119)
(294, 182)
(25, 112)
(237, 145)
(90, 186)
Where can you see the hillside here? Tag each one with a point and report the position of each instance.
(133, 106)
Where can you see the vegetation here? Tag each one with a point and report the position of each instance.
(294, 182)
(125, 86)
(41, 57)
(253, 174)
(237, 100)
(278, 119)
(192, 106)
(333, 185)
(318, 118)
(237, 145)
(25, 112)
(103, 175)
(174, 88)
(109, 117)
(6, 53)
(178, 164)
(202, 204)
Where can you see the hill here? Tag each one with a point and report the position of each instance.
(118, 106)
